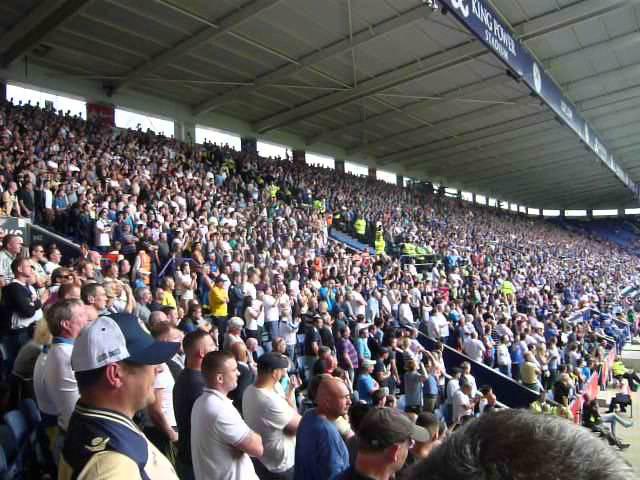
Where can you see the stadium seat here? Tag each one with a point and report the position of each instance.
(31, 412)
(4, 466)
(19, 426)
(8, 454)
(39, 442)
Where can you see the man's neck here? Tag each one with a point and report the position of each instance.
(66, 336)
(372, 467)
(328, 416)
(266, 383)
(193, 364)
(219, 388)
(107, 403)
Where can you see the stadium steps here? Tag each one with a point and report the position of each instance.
(508, 391)
(350, 242)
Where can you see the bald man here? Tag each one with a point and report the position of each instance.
(320, 450)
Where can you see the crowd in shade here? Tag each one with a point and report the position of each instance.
(211, 328)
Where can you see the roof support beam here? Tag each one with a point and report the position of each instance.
(593, 51)
(478, 114)
(420, 107)
(204, 35)
(39, 23)
(476, 140)
(543, 137)
(558, 20)
(560, 159)
(315, 57)
(539, 147)
(560, 194)
(630, 71)
(532, 194)
(569, 16)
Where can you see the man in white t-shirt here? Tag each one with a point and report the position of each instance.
(160, 423)
(358, 305)
(405, 313)
(442, 323)
(462, 403)
(271, 312)
(474, 348)
(273, 416)
(221, 442)
(249, 287)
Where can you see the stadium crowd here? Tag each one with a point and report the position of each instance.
(210, 325)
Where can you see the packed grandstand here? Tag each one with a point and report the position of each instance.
(338, 301)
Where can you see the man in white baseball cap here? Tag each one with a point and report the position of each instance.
(115, 364)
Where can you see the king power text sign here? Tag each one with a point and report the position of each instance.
(483, 21)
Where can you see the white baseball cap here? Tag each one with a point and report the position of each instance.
(109, 340)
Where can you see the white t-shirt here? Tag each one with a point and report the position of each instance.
(358, 305)
(267, 413)
(405, 313)
(55, 383)
(254, 316)
(249, 290)
(470, 380)
(216, 427)
(271, 313)
(474, 348)
(443, 324)
(164, 381)
(461, 405)
(102, 238)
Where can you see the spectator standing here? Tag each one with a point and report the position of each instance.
(530, 372)
(385, 437)
(221, 442)
(12, 248)
(160, 426)
(414, 379)
(366, 384)
(273, 416)
(473, 347)
(188, 388)
(463, 404)
(321, 451)
(103, 231)
(115, 367)
(346, 352)
(54, 381)
(21, 308)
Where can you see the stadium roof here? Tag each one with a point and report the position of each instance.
(390, 81)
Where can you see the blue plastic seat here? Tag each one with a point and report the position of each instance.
(9, 465)
(19, 426)
(4, 465)
(8, 442)
(31, 412)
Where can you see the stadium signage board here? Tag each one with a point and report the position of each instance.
(481, 19)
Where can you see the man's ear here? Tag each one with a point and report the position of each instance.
(393, 452)
(114, 374)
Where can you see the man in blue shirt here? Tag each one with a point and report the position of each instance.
(320, 450)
